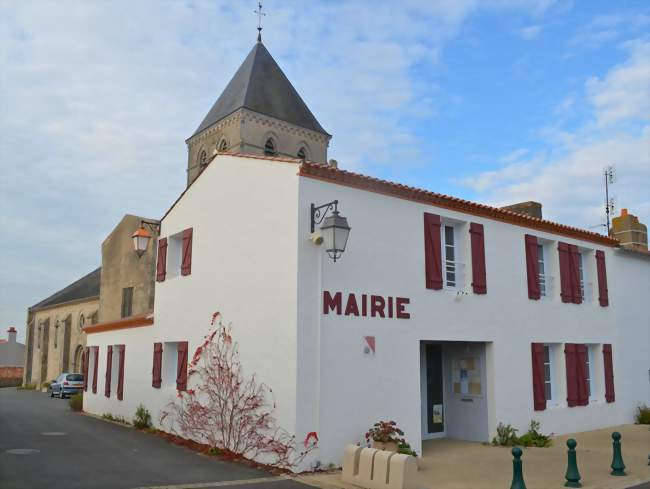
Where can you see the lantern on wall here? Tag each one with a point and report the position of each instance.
(334, 230)
(141, 240)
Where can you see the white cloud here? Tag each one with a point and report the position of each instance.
(568, 180)
(530, 32)
(624, 93)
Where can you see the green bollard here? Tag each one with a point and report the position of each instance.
(572, 475)
(517, 472)
(618, 467)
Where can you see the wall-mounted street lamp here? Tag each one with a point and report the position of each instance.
(142, 236)
(334, 230)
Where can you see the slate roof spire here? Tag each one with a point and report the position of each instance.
(260, 85)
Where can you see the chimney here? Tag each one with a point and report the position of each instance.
(530, 208)
(12, 334)
(627, 229)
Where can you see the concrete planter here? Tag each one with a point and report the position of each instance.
(385, 446)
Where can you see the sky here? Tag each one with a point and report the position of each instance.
(497, 101)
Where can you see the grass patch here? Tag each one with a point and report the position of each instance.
(142, 418)
(76, 402)
(507, 436)
(642, 414)
(117, 419)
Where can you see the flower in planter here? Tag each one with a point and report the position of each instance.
(385, 432)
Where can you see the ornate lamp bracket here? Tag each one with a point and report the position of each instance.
(319, 213)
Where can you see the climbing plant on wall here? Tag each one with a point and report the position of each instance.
(228, 410)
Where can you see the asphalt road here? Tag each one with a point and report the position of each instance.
(73, 451)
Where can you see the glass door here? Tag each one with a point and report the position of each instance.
(435, 389)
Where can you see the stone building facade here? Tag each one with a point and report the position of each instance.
(55, 337)
(127, 285)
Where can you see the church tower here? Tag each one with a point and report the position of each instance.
(259, 112)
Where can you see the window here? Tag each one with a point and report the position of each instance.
(82, 321)
(449, 256)
(127, 302)
(56, 334)
(590, 364)
(548, 372)
(203, 158)
(540, 267)
(302, 154)
(223, 145)
(269, 147)
(582, 276)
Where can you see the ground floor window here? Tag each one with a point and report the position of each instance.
(548, 373)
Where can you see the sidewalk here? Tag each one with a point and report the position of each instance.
(453, 464)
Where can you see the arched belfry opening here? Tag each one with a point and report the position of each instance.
(258, 99)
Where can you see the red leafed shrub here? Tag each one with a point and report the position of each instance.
(231, 412)
(385, 431)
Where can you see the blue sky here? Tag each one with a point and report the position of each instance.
(497, 101)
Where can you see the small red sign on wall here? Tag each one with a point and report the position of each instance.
(369, 345)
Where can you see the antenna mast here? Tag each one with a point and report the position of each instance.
(610, 177)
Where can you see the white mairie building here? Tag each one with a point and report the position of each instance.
(443, 315)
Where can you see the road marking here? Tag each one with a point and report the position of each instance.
(202, 485)
(22, 451)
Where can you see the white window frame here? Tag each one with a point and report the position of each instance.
(551, 381)
(457, 267)
(541, 270)
(115, 370)
(174, 255)
(592, 379)
(169, 365)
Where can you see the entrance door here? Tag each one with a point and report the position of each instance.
(435, 389)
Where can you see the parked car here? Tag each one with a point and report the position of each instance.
(67, 384)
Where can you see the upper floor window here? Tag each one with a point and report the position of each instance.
(540, 268)
(302, 153)
(127, 302)
(581, 269)
(449, 256)
(269, 147)
(82, 321)
(223, 146)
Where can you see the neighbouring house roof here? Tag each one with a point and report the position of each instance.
(325, 172)
(86, 287)
(260, 85)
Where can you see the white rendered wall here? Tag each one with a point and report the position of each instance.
(243, 215)
(348, 391)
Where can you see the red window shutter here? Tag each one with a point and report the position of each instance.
(120, 373)
(85, 359)
(156, 380)
(581, 374)
(479, 279)
(181, 367)
(161, 269)
(532, 267)
(571, 374)
(432, 251)
(109, 365)
(539, 392)
(565, 272)
(186, 265)
(574, 260)
(603, 295)
(609, 373)
(96, 350)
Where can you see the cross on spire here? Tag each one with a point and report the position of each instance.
(260, 14)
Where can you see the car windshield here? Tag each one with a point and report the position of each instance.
(75, 377)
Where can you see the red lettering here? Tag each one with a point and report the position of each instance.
(352, 307)
(364, 305)
(401, 303)
(331, 303)
(377, 304)
(390, 307)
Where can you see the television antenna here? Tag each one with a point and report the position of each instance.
(610, 178)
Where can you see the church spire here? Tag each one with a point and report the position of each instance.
(259, 21)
